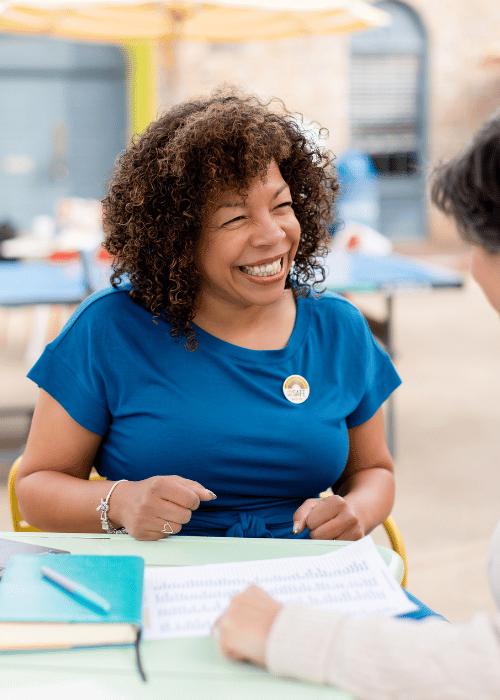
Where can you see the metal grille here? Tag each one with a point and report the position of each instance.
(384, 103)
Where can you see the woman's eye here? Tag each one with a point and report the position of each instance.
(233, 221)
(284, 205)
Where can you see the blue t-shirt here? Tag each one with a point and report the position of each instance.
(219, 414)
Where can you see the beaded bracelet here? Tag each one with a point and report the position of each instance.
(104, 507)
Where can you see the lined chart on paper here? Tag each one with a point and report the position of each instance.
(185, 601)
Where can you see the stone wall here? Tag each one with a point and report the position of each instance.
(308, 74)
(462, 90)
(311, 76)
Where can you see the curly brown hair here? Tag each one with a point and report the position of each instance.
(164, 182)
(468, 188)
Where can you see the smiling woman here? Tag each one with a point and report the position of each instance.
(247, 247)
(213, 369)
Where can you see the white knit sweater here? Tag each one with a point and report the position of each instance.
(380, 658)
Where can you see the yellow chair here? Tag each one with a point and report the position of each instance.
(395, 538)
(20, 525)
(18, 522)
(397, 544)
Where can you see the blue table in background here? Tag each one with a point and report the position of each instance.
(31, 283)
(356, 272)
(44, 284)
(351, 273)
(28, 283)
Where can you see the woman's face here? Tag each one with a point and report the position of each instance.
(485, 268)
(248, 244)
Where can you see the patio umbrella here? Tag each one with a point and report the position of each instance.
(141, 25)
(219, 21)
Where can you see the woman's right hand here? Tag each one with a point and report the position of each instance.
(243, 628)
(144, 507)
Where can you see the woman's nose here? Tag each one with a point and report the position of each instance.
(267, 233)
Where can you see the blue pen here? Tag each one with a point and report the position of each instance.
(81, 593)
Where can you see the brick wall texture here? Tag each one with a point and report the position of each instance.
(310, 75)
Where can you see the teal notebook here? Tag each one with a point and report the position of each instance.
(37, 614)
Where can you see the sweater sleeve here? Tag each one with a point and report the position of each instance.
(381, 658)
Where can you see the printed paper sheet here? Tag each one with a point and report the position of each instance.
(185, 601)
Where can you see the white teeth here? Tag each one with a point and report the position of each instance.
(263, 270)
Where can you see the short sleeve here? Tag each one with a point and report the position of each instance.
(372, 372)
(71, 370)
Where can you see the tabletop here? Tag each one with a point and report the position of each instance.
(29, 282)
(182, 669)
(69, 281)
(26, 283)
(358, 272)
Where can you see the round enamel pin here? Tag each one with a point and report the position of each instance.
(296, 388)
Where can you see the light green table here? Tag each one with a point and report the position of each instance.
(177, 669)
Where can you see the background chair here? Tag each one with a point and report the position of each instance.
(18, 522)
(397, 544)
(20, 525)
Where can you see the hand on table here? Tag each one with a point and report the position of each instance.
(242, 630)
(330, 518)
(143, 507)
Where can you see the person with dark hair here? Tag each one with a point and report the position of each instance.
(376, 657)
(468, 189)
(211, 366)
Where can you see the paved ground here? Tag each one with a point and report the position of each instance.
(448, 437)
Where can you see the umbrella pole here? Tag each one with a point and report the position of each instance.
(142, 62)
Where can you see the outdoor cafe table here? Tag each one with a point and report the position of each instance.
(176, 669)
(30, 283)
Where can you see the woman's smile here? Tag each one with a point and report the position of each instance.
(264, 273)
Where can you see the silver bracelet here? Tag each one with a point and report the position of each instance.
(104, 507)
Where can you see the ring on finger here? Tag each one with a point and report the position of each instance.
(169, 531)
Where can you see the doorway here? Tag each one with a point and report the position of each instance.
(388, 115)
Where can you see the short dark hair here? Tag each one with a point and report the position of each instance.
(468, 188)
(164, 182)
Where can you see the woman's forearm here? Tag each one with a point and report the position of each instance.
(380, 658)
(367, 484)
(56, 502)
(370, 493)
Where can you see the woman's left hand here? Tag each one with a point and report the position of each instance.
(365, 491)
(330, 518)
(242, 630)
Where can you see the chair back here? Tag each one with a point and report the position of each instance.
(18, 522)
(393, 533)
(397, 544)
